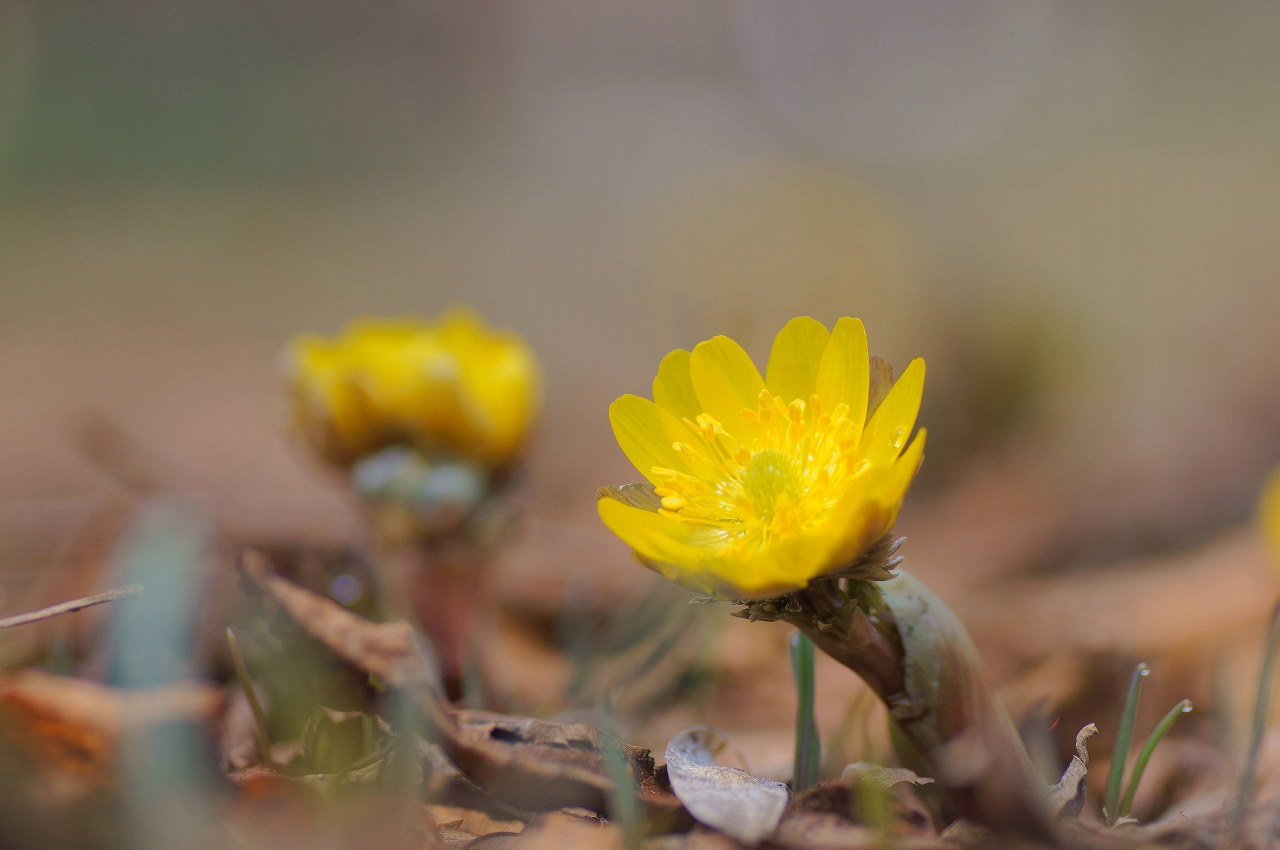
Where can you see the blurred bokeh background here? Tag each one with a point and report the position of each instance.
(1069, 208)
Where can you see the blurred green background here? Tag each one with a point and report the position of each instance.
(1069, 208)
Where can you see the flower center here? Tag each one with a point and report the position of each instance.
(770, 476)
(786, 479)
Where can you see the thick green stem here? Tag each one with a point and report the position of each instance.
(808, 749)
(914, 654)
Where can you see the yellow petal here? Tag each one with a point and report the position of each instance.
(646, 433)
(904, 470)
(888, 430)
(727, 382)
(843, 374)
(1269, 514)
(673, 387)
(793, 361)
(659, 538)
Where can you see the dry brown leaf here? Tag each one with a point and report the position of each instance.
(813, 831)
(534, 765)
(559, 831)
(472, 820)
(1066, 799)
(91, 717)
(527, 765)
(385, 650)
(726, 798)
(827, 810)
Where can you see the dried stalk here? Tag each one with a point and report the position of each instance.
(71, 605)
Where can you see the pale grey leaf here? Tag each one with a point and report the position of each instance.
(733, 801)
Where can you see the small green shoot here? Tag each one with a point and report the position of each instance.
(624, 806)
(1124, 737)
(1157, 734)
(1115, 810)
(808, 758)
(259, 716)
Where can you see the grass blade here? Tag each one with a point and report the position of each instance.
(1157, 734)
(808, 749)
(1124, 737)
(259, 716)
(624, 806)
(1235, 820)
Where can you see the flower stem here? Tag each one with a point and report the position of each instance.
(1157, 734)
(808, 748)
(1111, 806)
(914, 654)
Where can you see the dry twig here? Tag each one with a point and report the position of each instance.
(73, 605)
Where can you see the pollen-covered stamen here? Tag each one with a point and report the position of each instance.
(795, 469)
(771, 477)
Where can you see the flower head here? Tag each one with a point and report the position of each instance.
(758, 485)
(453, 386)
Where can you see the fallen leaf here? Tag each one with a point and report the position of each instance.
(385, 650)
(819, 815)
(559, 831)
(472, 820)
(831, 832)
(881, 777)
(80, 723)
(743, 806)
(535, 765)
(1066, 799)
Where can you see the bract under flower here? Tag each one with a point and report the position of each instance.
(761, 484)
(450, 386)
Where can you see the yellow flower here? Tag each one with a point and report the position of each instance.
(756, 486)
(1269, 513)
(450, 386)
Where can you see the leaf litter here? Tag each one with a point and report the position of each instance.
(509, 777)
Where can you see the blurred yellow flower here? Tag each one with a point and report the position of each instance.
(452, 386)
(756, 486)
(1269, 513)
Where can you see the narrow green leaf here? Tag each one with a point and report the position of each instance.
(1244, 790)
(808, 748)
(1123, 738)
(624, 806)
(259, 716)
(1157, 734)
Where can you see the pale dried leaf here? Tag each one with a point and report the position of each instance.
(881, 777)
(1066, 799)
(743, 806)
